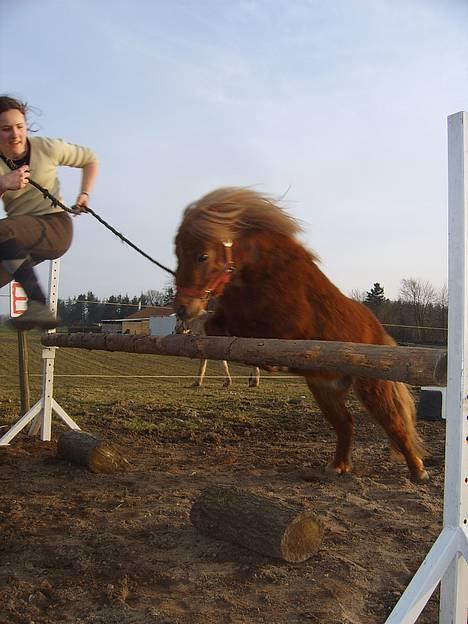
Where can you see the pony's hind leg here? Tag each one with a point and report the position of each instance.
(331, 398)
(392, 405)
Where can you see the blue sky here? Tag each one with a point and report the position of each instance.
(341, 105)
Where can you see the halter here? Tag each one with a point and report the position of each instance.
(220, 278)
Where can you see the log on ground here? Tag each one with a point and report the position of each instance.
(272, 528)
(419, 366)
(87, 450)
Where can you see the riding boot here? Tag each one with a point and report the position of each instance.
(18, 263)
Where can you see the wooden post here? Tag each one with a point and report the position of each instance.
(23, 367)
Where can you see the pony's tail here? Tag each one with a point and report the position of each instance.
(404, 404)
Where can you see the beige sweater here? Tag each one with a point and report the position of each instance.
(46, 156)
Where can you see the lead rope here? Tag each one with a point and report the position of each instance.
(57, 202)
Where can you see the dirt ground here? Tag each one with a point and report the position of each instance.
(120, 549)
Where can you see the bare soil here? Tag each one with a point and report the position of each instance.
(120, 549)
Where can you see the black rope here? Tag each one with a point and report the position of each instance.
(56, 202)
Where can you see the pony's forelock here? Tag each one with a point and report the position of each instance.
(226, 212)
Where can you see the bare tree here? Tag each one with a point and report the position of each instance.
(154, 297)
(442, 310)
(422, 297)
(442, 296)
(358, 295)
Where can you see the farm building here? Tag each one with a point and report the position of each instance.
(151, 321)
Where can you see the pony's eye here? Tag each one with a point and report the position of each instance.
(203, 257)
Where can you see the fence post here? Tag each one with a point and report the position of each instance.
(23, 368)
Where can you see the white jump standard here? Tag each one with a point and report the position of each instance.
(41, 413)
(447, 561)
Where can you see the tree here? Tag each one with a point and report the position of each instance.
(421, 296)
(126, 307)
(94, 309)
(169, 296)
(110, 308)
(79, 311)
(375, 296)
(357, 295)
(152, 298)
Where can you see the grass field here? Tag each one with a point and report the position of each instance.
(131, 387)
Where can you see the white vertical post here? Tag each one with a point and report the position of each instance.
(447, 561)
(454, 586)
(41, 413)
(43, 421)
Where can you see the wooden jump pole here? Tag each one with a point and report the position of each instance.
(413, 365)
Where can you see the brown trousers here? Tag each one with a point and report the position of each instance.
(44, 238)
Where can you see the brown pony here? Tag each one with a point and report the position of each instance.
(239, 246)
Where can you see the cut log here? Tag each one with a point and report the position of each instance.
(87, 450)
(269, 527)
(419, 366)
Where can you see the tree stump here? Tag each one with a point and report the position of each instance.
(86, 449)
(273, 528)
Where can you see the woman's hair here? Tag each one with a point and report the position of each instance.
(8, 103)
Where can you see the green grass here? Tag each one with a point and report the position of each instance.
(100, 389)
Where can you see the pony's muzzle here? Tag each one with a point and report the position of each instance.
(188, 308)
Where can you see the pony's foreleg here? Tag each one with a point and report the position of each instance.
(254, 377)
(201, 374)
(227, 375)
(392, 405)
(331, 398)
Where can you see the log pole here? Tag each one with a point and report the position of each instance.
(418, 366)
(270, 527)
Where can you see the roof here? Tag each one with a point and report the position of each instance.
(145, 313)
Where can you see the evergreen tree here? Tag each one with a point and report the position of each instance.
(126, 310)
(110, 309)
(168, 296)
(94, 309)
(375, 296)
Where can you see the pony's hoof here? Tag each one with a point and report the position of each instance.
(196, 384)
(421, 476)
(340, 468)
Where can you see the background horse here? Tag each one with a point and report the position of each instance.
(241, 247)
(196, 326)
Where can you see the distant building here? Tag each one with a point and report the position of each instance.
(151, 321)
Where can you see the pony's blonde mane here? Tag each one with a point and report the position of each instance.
(225, 213)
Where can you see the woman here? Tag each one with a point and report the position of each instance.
(34, 229)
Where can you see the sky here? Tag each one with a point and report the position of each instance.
(339, 108)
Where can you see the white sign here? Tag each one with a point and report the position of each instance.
(18, 300)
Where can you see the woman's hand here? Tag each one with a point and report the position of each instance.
(15, 180)
(81, 204)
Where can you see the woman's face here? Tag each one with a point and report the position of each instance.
(13, 134)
